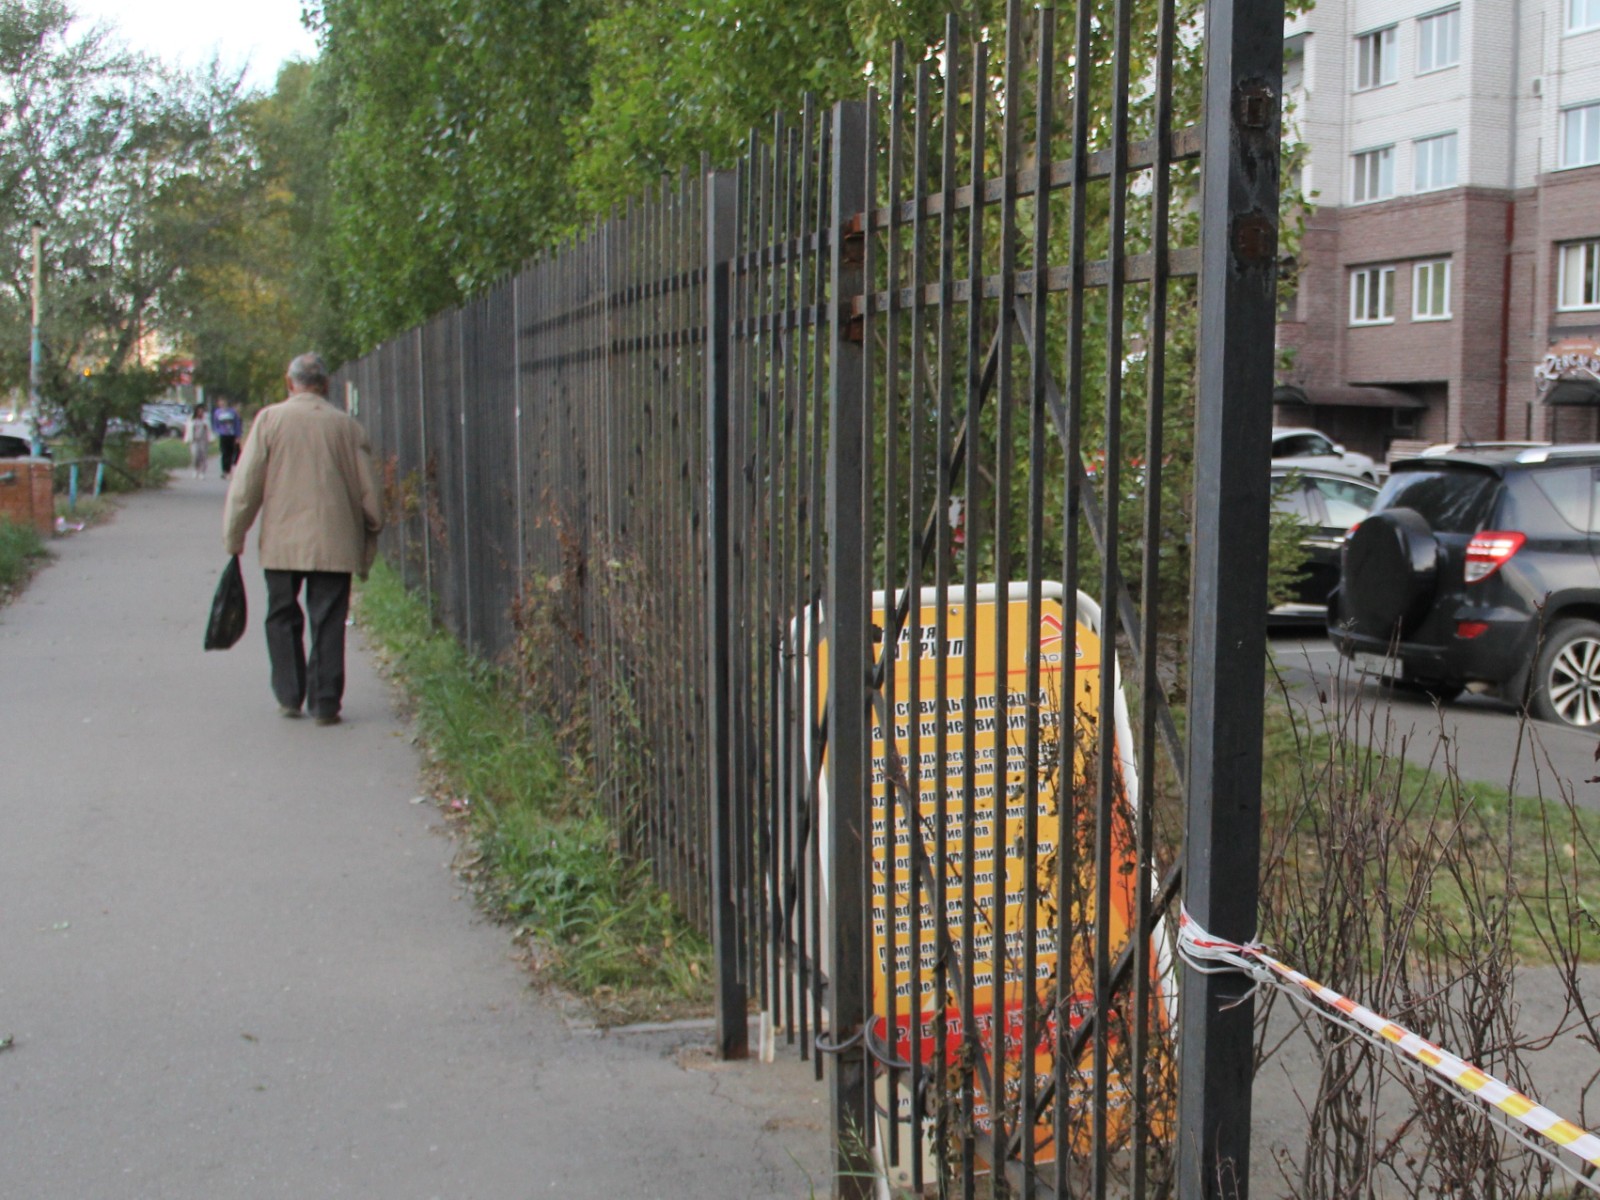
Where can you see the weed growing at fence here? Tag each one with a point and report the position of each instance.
(1426, 899)
(20, 551)
(544, 856)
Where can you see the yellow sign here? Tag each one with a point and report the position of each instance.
(978, 776)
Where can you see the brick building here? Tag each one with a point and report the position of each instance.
(1449, 278)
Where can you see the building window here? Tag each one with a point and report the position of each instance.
(1430, 290)
(1580, 136)
(1374, 175)
(1436, 162)
(1439, 40)
(1582, 14)
(1375, 59)
(1372, 296)
(1580, 276)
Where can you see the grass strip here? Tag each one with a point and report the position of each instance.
(1340, 798)
(544, 856)
(21, 548)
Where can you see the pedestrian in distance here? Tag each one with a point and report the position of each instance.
(306, 471)
(226, 425)
(197, 436)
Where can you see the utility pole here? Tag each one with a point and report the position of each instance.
(34, 353)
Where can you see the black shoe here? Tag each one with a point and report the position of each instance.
(329, 719)
(292, 713)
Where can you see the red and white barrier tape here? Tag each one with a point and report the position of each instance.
(1204, 952)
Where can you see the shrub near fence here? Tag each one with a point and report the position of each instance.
(915, 346)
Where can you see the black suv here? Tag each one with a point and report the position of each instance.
(1478, 569)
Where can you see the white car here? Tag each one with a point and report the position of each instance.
(16, 440)
(1313, 450)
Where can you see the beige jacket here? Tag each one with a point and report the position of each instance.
(307, 471)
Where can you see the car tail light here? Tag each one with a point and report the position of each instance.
(1468, 630)
(1488, 552)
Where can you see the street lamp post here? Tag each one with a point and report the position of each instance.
(34, 353)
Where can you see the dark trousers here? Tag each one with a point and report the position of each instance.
(317, 681)
(230, 452)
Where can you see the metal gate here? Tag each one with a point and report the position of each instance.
(931, 438)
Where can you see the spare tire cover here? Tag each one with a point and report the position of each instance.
(1391, 567)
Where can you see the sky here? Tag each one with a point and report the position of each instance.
(262, 33)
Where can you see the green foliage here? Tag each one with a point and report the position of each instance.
(449, 161)
(117, 158)
(548, 857)
(20, 549)
(256, 300)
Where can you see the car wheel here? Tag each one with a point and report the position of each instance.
(1566, 675)
(1391, 568)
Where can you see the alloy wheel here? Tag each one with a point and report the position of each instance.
(1573, 683)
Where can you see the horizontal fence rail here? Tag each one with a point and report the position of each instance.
(870, 505)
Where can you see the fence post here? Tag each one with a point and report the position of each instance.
(847, 621)
(733, 1019)
(1233, 419)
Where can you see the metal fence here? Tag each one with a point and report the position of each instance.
(875, 502)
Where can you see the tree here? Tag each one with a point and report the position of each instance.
(116, 157)
(448, 161)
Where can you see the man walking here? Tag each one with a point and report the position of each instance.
(307, 471)
(225, 423)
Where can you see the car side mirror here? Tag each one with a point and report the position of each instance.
(1337, 448)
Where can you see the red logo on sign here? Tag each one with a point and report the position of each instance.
(1053, 630)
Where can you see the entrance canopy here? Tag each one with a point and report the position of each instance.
(1345, 396)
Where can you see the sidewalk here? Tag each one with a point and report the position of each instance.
(235, 963)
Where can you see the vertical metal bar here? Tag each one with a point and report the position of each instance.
(972, 1044)
(1239, 225)
(827, 234)
(847, 618)
(801, 944)
(944, 419)
(1107, 809)
(1004, 454)
(1038, 427)
(915, 516)
(879, 978)
(1149, 682)
(1068, 799)
(733, 1030)
(893, 480)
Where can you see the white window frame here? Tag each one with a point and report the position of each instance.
(1422, 151)
(1587, 117)
(1591, 15)
(1361, 281)
(1376, 50)
(1429, 27)
(1587, 255)
(1422, 274)
(1382, 160)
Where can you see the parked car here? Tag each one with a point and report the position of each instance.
(1478, 569)
(1313, 450)
(1328, 505)
(1452, 447)
(164, 420)
(16, 440)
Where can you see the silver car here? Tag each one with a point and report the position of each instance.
(1313, 450)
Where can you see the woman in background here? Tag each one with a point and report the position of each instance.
(197, 436)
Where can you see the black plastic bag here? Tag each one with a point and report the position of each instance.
(228, 609)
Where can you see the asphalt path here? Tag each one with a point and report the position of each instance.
(1484, 739)
(234, 961)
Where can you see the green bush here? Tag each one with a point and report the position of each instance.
(545, 855)
(20, 548)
